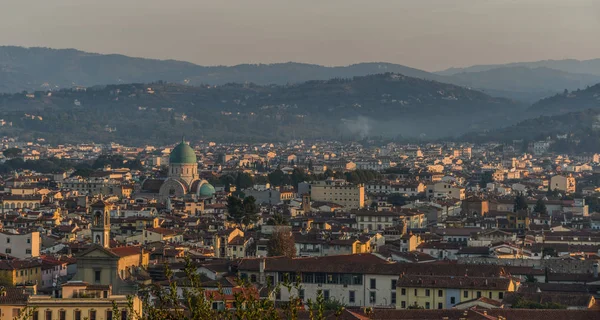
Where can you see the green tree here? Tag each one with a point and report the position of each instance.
(530, 278)
(277, 220)
(281, 243)
(486, 178)
(520, 203)
(243, 181)
(242, 212)
(277, 178)
(540, 207)
(12, 152)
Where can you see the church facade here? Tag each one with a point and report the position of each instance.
(103, 265)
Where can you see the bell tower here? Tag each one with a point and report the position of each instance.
(101, 224)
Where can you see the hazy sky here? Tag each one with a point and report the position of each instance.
(426, 34)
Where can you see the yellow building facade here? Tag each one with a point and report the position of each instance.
(444, 292)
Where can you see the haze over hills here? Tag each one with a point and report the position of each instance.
(34, 69)
(568, 102)
(591, 66)
(385, 104)
(577, 131)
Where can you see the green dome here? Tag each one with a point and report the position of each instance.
(183, 153)
(207, 190)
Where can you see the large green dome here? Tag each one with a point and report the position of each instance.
(183, 153)
(207, 190)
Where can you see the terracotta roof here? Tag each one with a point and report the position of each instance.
(127, 251)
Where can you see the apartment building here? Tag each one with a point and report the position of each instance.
(348, 195)
(20, 246)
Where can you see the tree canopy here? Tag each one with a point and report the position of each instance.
(281, 243)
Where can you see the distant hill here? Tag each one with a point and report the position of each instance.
(568, 102)
(524, 83)
(34, 69)
(571, 132)
(44, 68)
(567, 65)
(385, 104)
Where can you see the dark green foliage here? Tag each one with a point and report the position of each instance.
(12, 152)
(540, 207)
(242, 212)
(389, 104)
(50, 165)
(530, 278)
(520, 203)
(362, 176)
(486, 177)
(277, 178)
(396, 199)
(244, 180)
(277, 220)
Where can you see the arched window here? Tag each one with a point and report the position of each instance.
(97, 241)
(97, 218)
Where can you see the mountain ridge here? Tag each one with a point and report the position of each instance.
(39, 68)
(383, 104)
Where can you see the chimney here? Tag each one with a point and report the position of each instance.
(261, 269)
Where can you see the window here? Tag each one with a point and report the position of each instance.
(372, 297)
(7, 240)
(427, 292)
(403, 291)
(403, 304)
(490, 295)
(373, 284)
(326, 295)
(393, 299)
(440, 293)
(416, 291)
(453, 300)
(92, 314)
(105, 294)
(478, 294)
(500, 295)
(35, 315)
(351, 296)
(440, 305)
(124, 315)
(252, 278)
(97, 275)
(278, 294)
(465, 294)
(77, 315)
(28, 240)
(109, 315)
(7, 250)
(427, 305)
(301, 294)
(49, 315)
(62, 315)
(27, 251)
(394, 281)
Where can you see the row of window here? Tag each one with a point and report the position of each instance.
(440, 293)
(9, 251)
(8, 240)
(77, 315)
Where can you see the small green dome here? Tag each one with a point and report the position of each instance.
(207, 190)
(183, 153)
